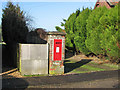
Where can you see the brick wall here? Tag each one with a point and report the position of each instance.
(56, 67)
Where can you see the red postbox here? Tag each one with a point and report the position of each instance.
(57, 49)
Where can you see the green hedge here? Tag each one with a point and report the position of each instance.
(95, 31)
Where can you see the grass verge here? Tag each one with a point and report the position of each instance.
(84, 66)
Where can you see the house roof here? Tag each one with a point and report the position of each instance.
(111, 3)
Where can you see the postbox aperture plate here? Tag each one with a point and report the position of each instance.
(57, 49)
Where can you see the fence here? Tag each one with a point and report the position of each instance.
(33, 59)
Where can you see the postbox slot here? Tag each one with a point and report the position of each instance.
(57, 49)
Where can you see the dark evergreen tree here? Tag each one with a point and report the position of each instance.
(14, 28)
(0, 33)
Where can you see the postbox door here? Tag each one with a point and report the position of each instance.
(57, 49)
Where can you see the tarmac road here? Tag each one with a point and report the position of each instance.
(102, 83)
(103, 79)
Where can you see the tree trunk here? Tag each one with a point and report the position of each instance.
(74, 48)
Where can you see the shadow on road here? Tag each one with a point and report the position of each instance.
(71, 66)
(14, 83)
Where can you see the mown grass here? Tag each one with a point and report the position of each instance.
(91, 68)
(112, 65)
(86, 66)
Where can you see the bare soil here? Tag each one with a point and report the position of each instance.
(8, 72)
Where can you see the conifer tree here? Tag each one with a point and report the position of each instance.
(70, 30)
(110, 37)
(0, 34)
(69, 26)
(80, 34)
(14, 30)
(94, 29)
(14, 27)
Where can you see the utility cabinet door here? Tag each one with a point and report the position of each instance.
(57, 49)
